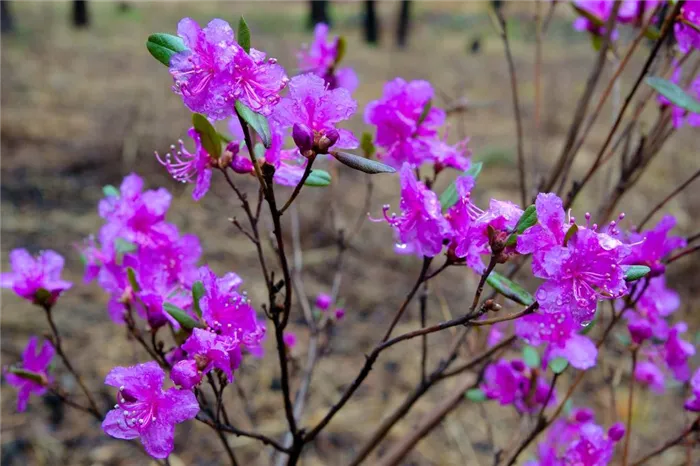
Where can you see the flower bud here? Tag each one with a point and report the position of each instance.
(303, 137)
(583, 415)
(518, 365)
(339, 313)
(290, 339)
(323, 301)
(186, 374)
(616, 431)
(329, 138)
(241, 165)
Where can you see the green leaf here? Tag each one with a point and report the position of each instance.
(208, 135)
(182, 317)
(570, 233)
(675, 94)
(197, 293)
(509, 289)
(318, 179)
(476, 395)
(164, 46)
(259, 151)
(244, 35)
(623, 338)
(123, 246)
(29, 375)
(341, 47)
(131, 275)
(531, 357)
(558, 365)
(255, 121)
(527, 219)
(635, 272)
(449, 197)
(110, 191)
(367, 145)
(426, 110)
(362, 164)
(587, 328)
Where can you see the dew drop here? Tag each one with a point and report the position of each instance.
(585, 323)
(400, 245)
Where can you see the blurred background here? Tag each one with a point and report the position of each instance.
(83, 104)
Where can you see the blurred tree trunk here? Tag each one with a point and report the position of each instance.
(404, 23)
(81, 18)
(8, 24)
(319, 13)
(371, 23)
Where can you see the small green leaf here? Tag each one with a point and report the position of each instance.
(558, 365)
(476, 395)
(318, 179)
(509, 289)
(110, 191)
(623, 338)
(182, 317)
(568, 406)
(131, 275)
(244, 35)
(259, 151)
(527, 219)
(426, 110)
(675, 94)
(367, 145)
(570, 233)
(29, 375)
(449, 197)
(164, 46)
(635, 272)
(362, 164)
(531, 357)
(123, 246)
(341, 47)
(197, 293)
(256, 121)
(208, 135)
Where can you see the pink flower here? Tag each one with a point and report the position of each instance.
(679, 115)
(649, 373)
(188, 167)
(651, 246)
(677, 352)
(693, 403)
(648, 317)
(511, 382)
(144, 410)
(290, 339)
(323, 301)
(687, 36)
(229, 313)
(38, 363)
(213, 351)
(186, 374)
(421, 228)
(629, 11)
(560, 332)
(215, 71)
(311, 105)
(320, 58)
(29, 276)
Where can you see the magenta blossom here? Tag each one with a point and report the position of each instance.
(215, 71)
(511, 382)
(290, 339)
(144, 410)
(693, 403)
(37, 363)
(324, 301)
(320, 58)
(213, 351)
(679, 115)
(677, 352)
(188, 167)
(35, 279)
(629, 11)
(648, 318)
(186, 374)
(688, 36)
(560, 332)
(421, 228)
(651, 246)
(312, 108)
(649, 373)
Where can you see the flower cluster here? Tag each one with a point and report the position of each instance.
(631, 11)
(407, 128)
(321, 58)
(512, 382)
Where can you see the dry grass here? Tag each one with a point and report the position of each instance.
(83, 108)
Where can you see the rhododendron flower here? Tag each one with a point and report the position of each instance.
(320, 57)
(647, 319)
(229, 313)
(688, 36)
(601, 9)
(559, 330)
(38, 363)
(213, 351)
(188, 167)
(677, 352)
(323, 301)
(679, 115)
(186, 374)
(144, 410)
(313, 106)
(510, 382)
(650, 374)
(421, 228)
(651, 246)
(215, 71)
(30, 275)
(693, 403)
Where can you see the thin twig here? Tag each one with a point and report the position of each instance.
(658, 206)
(300, 184)
(242, 433)
(630, 408)
(409, 297)
(694, 427)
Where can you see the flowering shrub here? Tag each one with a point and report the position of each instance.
(195, 328)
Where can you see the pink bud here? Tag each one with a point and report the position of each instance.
(303, 137)
(616, 431)
(323, 301)
(329, 138)
(290, 339)
(339, 313)
(186, 374)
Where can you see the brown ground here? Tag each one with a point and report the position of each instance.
(82, 109)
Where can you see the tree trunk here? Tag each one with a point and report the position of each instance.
(371, 23)
(319, 13)
(8, 24)
(81, 18)
(404, 23)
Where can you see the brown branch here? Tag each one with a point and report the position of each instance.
(409, 297)
(694, 427)
(300, 184)
(658, 206)
(630, 407)
(242, 433)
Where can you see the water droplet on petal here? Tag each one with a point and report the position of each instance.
(585, 323)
